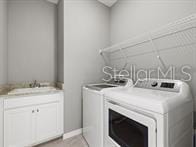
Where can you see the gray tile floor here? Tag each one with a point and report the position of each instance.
(77, 141)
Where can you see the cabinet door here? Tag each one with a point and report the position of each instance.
(47, 121)
(18, 127)
(1, 122)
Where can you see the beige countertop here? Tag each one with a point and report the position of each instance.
(29, 94)
(5, 89)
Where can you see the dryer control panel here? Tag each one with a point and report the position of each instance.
(164, 85)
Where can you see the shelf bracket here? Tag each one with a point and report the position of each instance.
(125, 59)
(105, 59)
(157, 52)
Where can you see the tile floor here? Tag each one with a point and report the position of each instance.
(77, 141)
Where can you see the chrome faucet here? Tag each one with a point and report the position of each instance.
(34, 84)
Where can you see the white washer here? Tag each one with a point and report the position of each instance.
(93, 110)
(153, 113)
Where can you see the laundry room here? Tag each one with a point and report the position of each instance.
(98, 73)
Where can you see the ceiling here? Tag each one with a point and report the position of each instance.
(108, 3)
(53, 1)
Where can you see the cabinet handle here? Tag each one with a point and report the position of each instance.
(37, 110)
(33, 111)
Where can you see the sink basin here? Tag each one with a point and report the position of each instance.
(31, 90)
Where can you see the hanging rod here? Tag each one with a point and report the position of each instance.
(152, 51)
(171, 28)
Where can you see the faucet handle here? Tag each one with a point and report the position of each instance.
(31, 85)
(34, 84)
(38, 85)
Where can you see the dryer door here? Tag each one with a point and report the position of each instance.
(127, 128)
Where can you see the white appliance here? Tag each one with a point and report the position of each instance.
(93, 110)
(153, 113)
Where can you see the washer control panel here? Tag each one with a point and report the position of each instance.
(164, 85)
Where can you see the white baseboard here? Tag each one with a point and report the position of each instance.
(72, 134)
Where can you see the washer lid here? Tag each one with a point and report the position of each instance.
(153, 100)
(114, 82)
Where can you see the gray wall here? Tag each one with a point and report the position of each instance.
(86, 24)
(132, 18)
(32, 43)
(3, 56)
(60, 51)
(3, 42)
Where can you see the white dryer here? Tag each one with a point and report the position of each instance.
(153, 113)
(93, 110)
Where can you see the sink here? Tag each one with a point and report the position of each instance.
(30, 90)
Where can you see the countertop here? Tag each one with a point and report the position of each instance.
(5, 89)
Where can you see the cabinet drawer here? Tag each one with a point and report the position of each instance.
(24, 101)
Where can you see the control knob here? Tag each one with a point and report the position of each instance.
(154, 84)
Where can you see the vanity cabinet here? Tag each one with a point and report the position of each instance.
(47, 121)
(19, 127)
(1, 122)
(32, 120)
